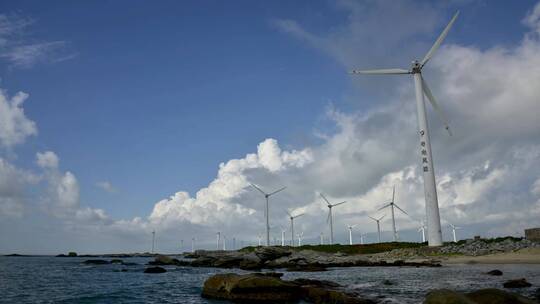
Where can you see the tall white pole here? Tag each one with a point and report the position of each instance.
(322, 238)
(423, 234)
(193, 245)
(218, 237)
(393, 222)
(379, 230)
(430, 190)
(331, 227)
(224, 243)
(350, 235)
(361, 239)
(234, 243)
(267, 224)
(454, 232)
(282, 237)
(181, 245)
(153, 240)
(292, 231)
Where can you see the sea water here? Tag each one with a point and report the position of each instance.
(68, 280)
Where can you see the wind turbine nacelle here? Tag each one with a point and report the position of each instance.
(416, 66)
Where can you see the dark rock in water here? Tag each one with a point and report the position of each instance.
(482, 296)
(519, 283)
(14, 255)
(446, 296)
(495, 272)
(269, 288)
(227, 262)
(117, 261)
(165, 260)
(156, 269)
(388, 282)
(497, 296)
(537, 295)
(307, 268)
(252, 288)
(124, 270)
(96, 262)
(72, 254)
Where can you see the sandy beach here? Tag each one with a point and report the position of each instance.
(522, 256)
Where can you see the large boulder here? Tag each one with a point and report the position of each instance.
(96, 262)
(482, 296)
(497, 296)
(446, 296)
(161, 260)
(495, 272)
(271, 253)
(519, 283)
(256, 288)
(156, 269)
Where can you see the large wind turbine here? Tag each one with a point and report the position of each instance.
(350, 232)
(300, 235)
(330, 218)
(421, 88)
(153, 239)
(266, 196)
(392, 205)
(454, 228)
(292, 217)
(378, 225)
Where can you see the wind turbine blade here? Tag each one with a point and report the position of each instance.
(436, 106)
(439, 40)
(372, 218)
(257, 188)
(339, 203)
(324, 197)
(288, 213)
(381, 72)
(277, 191)
(383, 207)
(400, 209)
(382, 217)
(354, 225)
(298, 215)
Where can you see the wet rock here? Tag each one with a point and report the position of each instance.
(269, 288)
(203, 261)
(250, 264)
(495, 272)
(537, 294)
(96, 262)
(161, 260)
(497, 296)
(446, 296)
(256, 288)
(307, 268)
(388, 282)
(156, 269)
(519, 283)
(117, 261)
(271, 253)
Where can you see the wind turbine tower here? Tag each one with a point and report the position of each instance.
(378, 226)
(392, 205)
(322, 238)
(153, 239)
(218, 238)
(330, 219)
(266, 196)
(192, 244)
(224, 243)
(300, 235)
(421, 88)
(283, 236)
(350, 233)
(423, 230)
(292, 217)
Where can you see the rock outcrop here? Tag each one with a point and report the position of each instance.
(156, 269)
(482, 296)
(518, 283)
(270, 288)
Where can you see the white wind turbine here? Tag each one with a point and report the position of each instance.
(283, 229)
(454, 228)
(421, 88)
(218, 239)
(153, 239)
(330, 218)
(350, 233)
(423, 230)
(181, 245)
(362, 235)
(378, 225)
(292, 217)
(259, 237)
(266, 196)
(392, 205)
(192, 244)
(322, 238)
(224, 243)
(300, 235)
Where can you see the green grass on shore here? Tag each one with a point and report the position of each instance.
(351, 249)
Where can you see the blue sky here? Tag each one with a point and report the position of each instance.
(151, 97)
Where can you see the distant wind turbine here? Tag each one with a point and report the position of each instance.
(423, 230)
(300, 235)
(181, 245)
(330, 218)
(421, 88)
(192, 244)
(392, 205)
(266, 196)
(224, 243)
(378, 226)
(350, 233)
(454, 228)
(260, 239)
(322, 238)
(292, 217)
(218, 239)
(362, 235)
(283, 235)
(233, 243)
